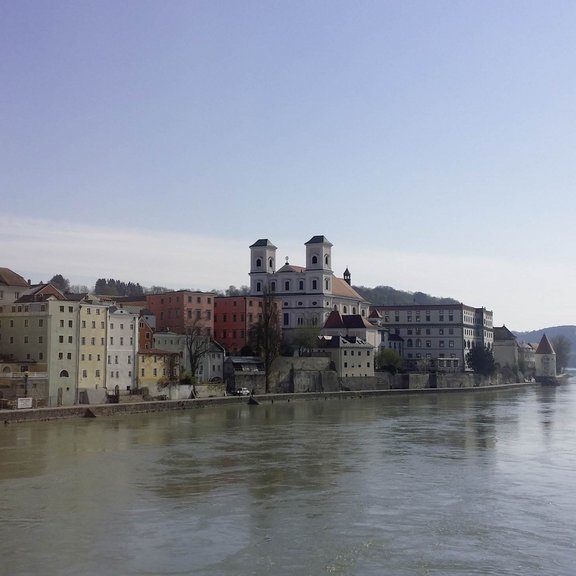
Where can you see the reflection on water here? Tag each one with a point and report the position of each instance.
(467, 483)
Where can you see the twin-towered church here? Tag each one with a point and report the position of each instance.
(307, 293)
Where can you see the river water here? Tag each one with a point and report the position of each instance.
(442, 484)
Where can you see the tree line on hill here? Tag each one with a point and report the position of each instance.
(387, 296)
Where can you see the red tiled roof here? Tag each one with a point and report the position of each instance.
(10, 278)
(545, 346)
(341, 288)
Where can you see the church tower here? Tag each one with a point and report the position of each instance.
(347, 277)
(262, 264)
(318, 254)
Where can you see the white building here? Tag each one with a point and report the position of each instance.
(307, 294)
(440, 335)
(121, 354)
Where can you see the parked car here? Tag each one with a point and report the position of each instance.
(242, 392)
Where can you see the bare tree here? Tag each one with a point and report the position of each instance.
(198, 344)
(266, 334)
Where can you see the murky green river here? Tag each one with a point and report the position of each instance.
(451, 484)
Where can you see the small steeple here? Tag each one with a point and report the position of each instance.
(347, 276)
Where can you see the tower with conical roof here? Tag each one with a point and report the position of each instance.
(545, 358)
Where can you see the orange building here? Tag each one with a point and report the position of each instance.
(233, 317)
(175, 311)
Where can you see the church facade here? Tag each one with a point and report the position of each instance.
(306, 294)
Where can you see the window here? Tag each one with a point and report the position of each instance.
(84, 374)
(258, 286)
(451, 343)
(61, 308)
(314, 284)
(83, 323)
(60, 355)
(258, 262)
(314, 259)
(69, 323)
(327, 284)
(115, 359)
(40, 339)
(286, 319)
(25, 339)
(69, 339)
(40, 323)
(61, 323)
(441, 343)
(121, 341)
(69, 356)
(83, 340)
(287, 286)
(97, 373)
(61, 339)
(111, 339)
(273, 286)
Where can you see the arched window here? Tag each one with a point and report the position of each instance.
(409, 343)
(326, 259)
(345, 309)
(314, 259)
(270, 263)
(6, 370)
(64, 374)
(354, 310)
(258, 262)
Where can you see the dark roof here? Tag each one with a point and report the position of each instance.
(545, 346)
(341, 341)
(263, 242)
(501, 334)
(337, 320)
(291, 268)
(318, 240)
(10, 278)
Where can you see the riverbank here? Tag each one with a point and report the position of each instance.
(103, 410)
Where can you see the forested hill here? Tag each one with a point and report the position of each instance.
(387, 296)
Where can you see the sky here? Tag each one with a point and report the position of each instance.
(432, 142)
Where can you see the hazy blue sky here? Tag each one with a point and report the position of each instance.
(432, 142)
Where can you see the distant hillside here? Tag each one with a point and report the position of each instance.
(535, 335)
(387, 296)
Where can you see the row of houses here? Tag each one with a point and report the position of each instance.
(67, 347)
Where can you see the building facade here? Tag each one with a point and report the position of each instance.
(233, 318)
(175, 311)
(438, 337)
(306, 294)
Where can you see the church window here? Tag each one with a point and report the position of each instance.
(301, 285)
(286, 319)
(314, 284)
(345, 310)
(270, 263)
(326, 259)
(314, 259)
(258, 286)
(258, 262)
(273, 286)
(287, 286)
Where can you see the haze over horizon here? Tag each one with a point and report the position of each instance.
(431, 142)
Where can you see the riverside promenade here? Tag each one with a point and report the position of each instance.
(103, 410)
